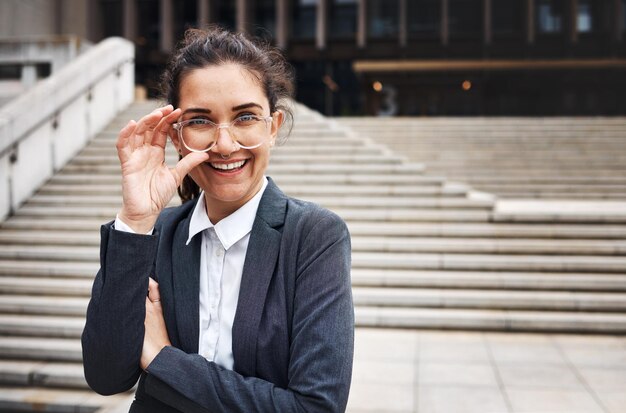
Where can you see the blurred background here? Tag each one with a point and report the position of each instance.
(384, 57)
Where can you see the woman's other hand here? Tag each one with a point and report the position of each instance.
(148, 184)
(156, 336)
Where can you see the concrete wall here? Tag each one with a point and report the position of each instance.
(43, 17)
(46, 126)
(28, 17)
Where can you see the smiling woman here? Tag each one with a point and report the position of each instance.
(249, 304)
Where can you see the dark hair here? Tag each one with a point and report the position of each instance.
(215, 46)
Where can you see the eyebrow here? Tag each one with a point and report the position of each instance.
(196, 110)
(234, 108)
(246, 106)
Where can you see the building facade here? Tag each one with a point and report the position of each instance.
(406, 57)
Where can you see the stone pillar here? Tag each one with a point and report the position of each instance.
(487, 21)
(167, 26)
(530, 21)
(242, 21)
(573, 21)
(204, 12)
(320, 30)
(282, 28)
(402, 38)
(130, 19)
(445, 32)
(618, 9)
(29, 76)
(361, 34)
(94, 21)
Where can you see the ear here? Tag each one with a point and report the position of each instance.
(278, 118)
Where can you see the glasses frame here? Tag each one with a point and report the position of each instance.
(178, 126)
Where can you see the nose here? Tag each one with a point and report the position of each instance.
(225, 145)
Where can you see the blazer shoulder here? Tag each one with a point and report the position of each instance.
(310, 216)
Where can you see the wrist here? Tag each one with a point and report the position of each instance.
(139, 224)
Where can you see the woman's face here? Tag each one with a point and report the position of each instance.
(221, 94)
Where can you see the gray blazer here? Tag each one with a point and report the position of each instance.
(293, 332)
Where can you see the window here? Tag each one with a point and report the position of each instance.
(383, 18)
(265, 18)
(304, 19)
(507, 18)
(148, 24)
(549, 16)
(624, 16)
(585, 17)
(226, 14)
(111, 17)
(423, 18)
(185, 17)
(343, 19)
(465, 18)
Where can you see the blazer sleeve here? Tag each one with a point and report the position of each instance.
(320, 365)
(114, 330)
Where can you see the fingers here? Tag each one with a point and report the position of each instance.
(153, 291)
(159, 137)
(123, 138)
(150, 121)
(189, 161)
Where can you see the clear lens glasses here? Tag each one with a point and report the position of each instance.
(200, 135)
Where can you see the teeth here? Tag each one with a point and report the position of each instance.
(228, 166)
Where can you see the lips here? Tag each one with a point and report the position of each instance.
(227, 167)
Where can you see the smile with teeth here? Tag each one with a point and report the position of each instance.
(228, 166)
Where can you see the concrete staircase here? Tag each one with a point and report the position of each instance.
(555, 158)
(427, 253)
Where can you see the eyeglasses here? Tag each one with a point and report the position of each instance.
(200, 135)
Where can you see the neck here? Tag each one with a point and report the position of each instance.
(218, 210)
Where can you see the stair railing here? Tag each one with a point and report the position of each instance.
(43, 128)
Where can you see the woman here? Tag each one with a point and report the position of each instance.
(252, 311)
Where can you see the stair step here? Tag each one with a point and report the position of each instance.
(34, 348)
(487, 230)
(43, 305)
(530, 321)
(38, 399)
(328, 201)
(294, 190)
(41, 374)
(518, 280)
(402, 229)
(46, 286)
(394, 168)
(43, 268)
(49, 253)
(68, 178)
(43, 327)
(341, 148)
(326, 159)
(489, 299)
(481, 262)
(377, 243)
(371, 214)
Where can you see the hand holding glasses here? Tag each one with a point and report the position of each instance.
(148, 184)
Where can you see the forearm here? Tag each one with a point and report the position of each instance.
(113, 336)
(216, 389)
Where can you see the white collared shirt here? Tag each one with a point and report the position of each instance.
(223, 252)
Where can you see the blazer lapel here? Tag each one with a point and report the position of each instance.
(186, 285)
(258, 270)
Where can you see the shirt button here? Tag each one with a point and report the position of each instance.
(219, 252)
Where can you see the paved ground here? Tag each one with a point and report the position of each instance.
(455, 372)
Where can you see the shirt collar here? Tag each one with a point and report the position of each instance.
(230, 229)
